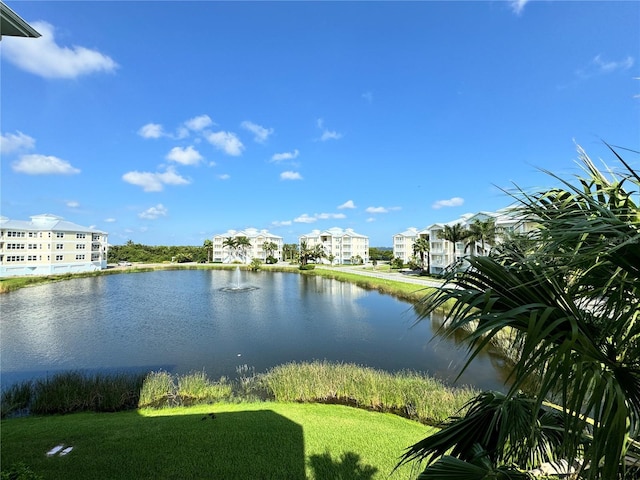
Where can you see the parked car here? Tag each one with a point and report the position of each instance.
(124, 264)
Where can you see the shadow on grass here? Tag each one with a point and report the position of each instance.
(228, 445)
(347, 467)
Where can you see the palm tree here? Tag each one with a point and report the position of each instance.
(308, 254)
(483, 231)
(242, 245)
(289, 251)
(232, 244)
(208, 246)
(269, 248)
(454, 234)
(569, 298)
(421, 248)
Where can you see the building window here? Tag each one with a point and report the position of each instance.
(33, 234)
(15, 234)
(32, 258)
(79, 257)
(79, 246)
(95, 257)
(33, 246)
(15, 258)
(15, 246)
(59, 234)
(59, 257)
(59, 246)
(80, 235)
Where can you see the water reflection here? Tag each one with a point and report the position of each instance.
(181, 320)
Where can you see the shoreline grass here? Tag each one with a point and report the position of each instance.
(412, 395)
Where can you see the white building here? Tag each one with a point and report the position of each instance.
(223, 253)
(341, 247)
(50, 245)
(442, 253)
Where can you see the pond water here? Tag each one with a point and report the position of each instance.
(217, 321)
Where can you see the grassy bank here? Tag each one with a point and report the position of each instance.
(409, 394)
(226, 434)
(223, 441)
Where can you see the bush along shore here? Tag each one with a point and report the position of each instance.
(408, 394)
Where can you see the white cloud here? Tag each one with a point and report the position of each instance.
(227, 142)
(289, 175)
(198, 123)
(333, 216)
(43, 165)
(452, 202)
(278, 157)
(347, 204)
(11, 142)
(370, 219)
(154, 182)
(154, 212)
(326, 133)
(518, 5)
(224, 176)
(283, 223)
(604, 66)
(304, 218)
(368, 96)
(600, 66)
(330, 135)
(151, 130)
(377, 210)
(44, 57)
(72, 204)
(110, 220)
(184, 156)
(261, 133)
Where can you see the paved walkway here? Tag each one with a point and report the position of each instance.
(406, 277)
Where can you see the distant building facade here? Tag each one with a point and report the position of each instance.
(442, 253)
(222, 253)
(341, 247)
(50, 245)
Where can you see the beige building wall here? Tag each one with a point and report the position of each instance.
(49, 245)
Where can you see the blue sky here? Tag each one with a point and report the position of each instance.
(169, 122)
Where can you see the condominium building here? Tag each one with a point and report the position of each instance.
(50, 245)
(341, 247)
(223, 252)
(443, 253)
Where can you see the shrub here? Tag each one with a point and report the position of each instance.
(308, 266)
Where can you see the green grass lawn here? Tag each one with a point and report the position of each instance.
(243, 441)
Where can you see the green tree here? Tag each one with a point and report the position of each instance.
(269, 249)
(482, 231)
(290, 251)
(421, 248)
(208, 246)
(310, 254)
(569, 300)
(454, 234)
(232, 245)
(242, 245)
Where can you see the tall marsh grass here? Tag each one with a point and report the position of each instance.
(407, 393)
(161, 389)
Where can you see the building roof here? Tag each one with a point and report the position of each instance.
(334, 232)
(249, 233)
(45, 221)
(12, 25)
